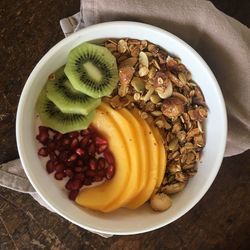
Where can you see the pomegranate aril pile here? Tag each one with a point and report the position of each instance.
(83, 157)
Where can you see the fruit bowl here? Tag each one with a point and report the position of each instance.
(122, 221)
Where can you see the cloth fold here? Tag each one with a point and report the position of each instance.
(222, 41)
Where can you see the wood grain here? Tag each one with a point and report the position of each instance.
(221, 220)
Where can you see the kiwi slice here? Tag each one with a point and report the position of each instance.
(52, 117)
(61, 92)
(92, 69)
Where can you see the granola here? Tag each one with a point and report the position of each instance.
(161, 87)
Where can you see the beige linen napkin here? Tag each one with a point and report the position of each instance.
(222, 41)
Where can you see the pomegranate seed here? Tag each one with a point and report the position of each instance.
(110, 171)
(77, 184)
(59, 175)
(80, 163)
(102, 148)
(97, 178)
(91, 149)
(43, 152)
(108, 157)
(43, 129)
(50, 167)
(87, 182)
(84, 141)
(68, 184)
(92, 164)
(74, 143)
(59, 167)
(70, 164)
(51, 146)
(78, 169)
(101, 163)
(74, 134)
(66, 141)
(73, 184)
(90, 173)
(73, 157)
(64, 155)
(79, 176)
(80, 151)
(58, 136)
(43, 138)
(101, 173)
(68, 172)
(85, 132)
(52, 156)
(100, 141)
(73, 194)
(62, 148)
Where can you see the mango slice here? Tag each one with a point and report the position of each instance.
(162, 156)
(101, 196)
(153, 163)
(137, 152)
(140, 157)
(142, 144)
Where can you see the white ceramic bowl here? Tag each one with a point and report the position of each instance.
(123, 221)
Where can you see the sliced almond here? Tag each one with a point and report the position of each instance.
(165, 92)
(155, 63)
(138, 84)
(173, 188)
(122, 46)
(131, 61)
(155, 99)
(148, 95)
(143, 59)
(143, 71)
(180, 96)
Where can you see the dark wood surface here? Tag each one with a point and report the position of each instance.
(221, 220)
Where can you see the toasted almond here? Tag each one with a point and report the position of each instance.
(122, 46)
(143, 59)
(160, 202)
(181, 177)
(144, 115)
(165, 92)
(144, 44)
(153, 48)
(155, 63)
(111, 47)
(182, 77)
(143, 71)
(131, 61)
(180, 96)
(148, 95)
(155, 99)
(138, 84)
(174, 167)
(173, 188)
(156, 113)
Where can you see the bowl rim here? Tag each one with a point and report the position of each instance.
(113, 25)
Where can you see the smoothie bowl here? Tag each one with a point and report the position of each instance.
(121, 128)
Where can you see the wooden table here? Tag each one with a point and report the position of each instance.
(221, 220)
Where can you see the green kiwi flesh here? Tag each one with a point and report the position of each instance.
(52, 117)
(92, 69)
(69, 100)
